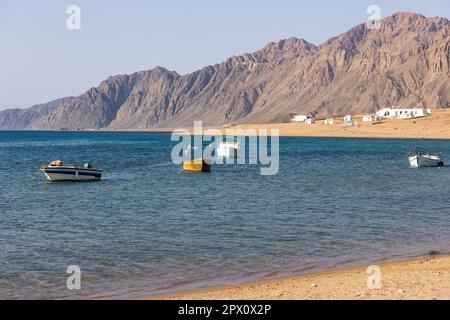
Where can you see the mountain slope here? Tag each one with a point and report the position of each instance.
(18, 119)
(405, 63)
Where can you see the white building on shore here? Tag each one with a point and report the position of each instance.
(367, 118)
(349, 121)
(299, 118)
(328, 121)
(308, 119)
(404, 113)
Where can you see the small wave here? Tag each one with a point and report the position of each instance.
(271, 274)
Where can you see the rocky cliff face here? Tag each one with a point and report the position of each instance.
(405, 63)
(19, 119)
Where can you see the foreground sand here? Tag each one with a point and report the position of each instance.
(424, 278)
(436, 126)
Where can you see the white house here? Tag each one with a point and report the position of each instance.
(328, 121)
(299, 118)
(367, 118)
(349, 121)
(406, 113)
(310, 121)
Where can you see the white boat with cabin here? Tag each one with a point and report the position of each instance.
(58, 171)
(425, 159)
(228, 149)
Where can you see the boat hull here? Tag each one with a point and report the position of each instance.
(71, 174)
(197, 166)
(228, 150)
(418, 161)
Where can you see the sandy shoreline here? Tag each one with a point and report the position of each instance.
(436, 126)
(420, 278)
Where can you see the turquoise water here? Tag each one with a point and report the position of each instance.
(147, 229)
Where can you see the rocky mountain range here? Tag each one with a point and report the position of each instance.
(404, 63)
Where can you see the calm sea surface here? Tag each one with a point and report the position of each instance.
(147, 229)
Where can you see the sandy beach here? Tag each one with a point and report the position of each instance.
(422, 278)
(435, 126)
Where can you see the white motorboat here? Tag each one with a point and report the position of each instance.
(58, 171)
(425, 159)
(228, 149)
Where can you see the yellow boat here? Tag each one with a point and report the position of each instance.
(198, 165)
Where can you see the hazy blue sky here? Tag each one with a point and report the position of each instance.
(40, 59)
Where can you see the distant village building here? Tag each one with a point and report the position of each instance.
(405, 113)
(308, 119)
(328, 121)
(349, 121)
(367, 118)
(299, 118)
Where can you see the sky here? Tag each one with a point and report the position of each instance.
(41, 59)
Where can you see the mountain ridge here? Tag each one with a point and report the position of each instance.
(404, 63)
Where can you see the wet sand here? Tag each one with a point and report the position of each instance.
(422, 278)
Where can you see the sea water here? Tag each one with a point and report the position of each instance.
(147, 228)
